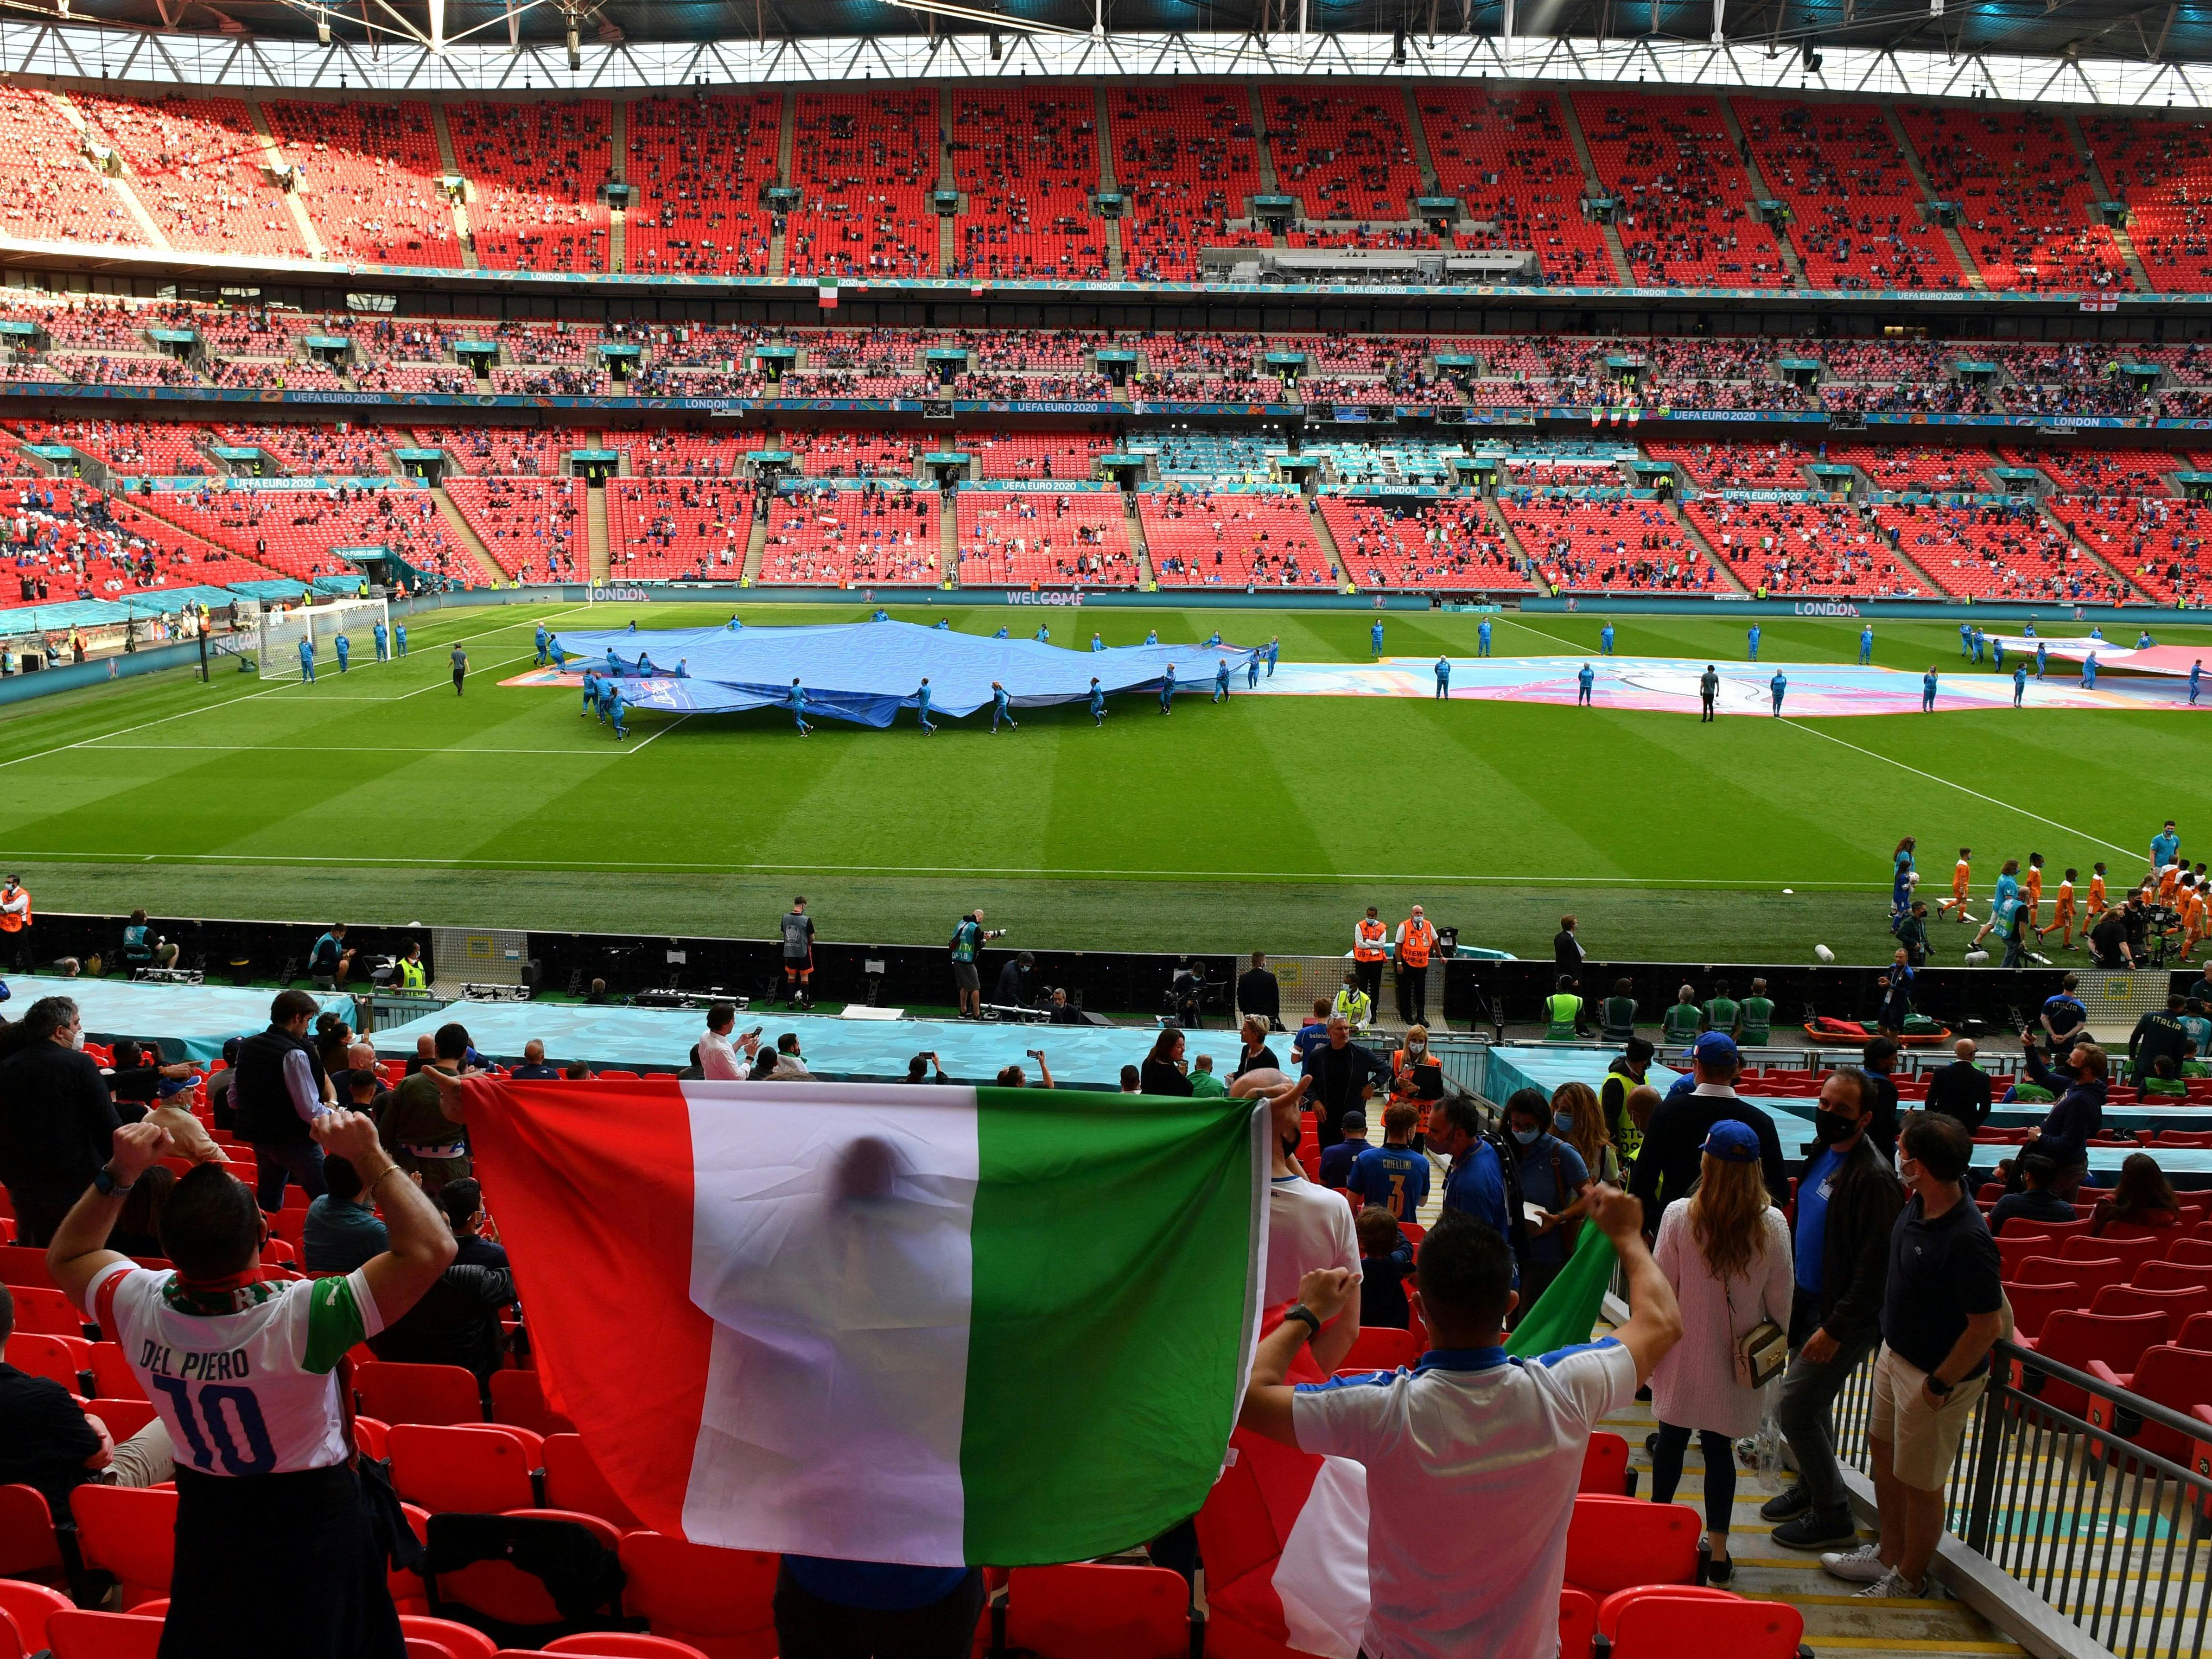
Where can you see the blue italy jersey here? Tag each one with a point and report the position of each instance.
(1392, 1178)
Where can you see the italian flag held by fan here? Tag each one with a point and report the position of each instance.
(937, 1325)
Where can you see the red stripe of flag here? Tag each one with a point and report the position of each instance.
(592, 1186)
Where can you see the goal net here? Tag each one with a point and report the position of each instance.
(282, 632)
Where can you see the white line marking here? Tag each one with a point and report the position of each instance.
(314, 748)
(267, 691)
(657, 736)
(1952, 783)
(723, 865)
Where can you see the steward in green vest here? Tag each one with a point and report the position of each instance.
(1617, 1013)
(408, 970)
(1721, 1012)
(1563, 1009)
(1755, 1018)
(1682, 1020)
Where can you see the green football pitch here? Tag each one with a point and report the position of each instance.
(1269, 822)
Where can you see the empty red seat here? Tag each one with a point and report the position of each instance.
(2032, 1304)
(112, 1375)
(64, 1359)
(2170, 1275)
(21, 1264)
(2176, 1304)
(1677, 1621)
(123, 1418)
(1618, 1543)
(518, 1397)
(42, 1308)
(2196, 1332)
(2074, 1339)
(1088, 1611)
(721, 1602)
(2133, 1251)
(131, 1531)
(2179, 1379)
(462, 1641)
(573, 1481)
(481, 1470)
(30, 1606)
(398, 1392)
(2077, 1228)
(2191, 1251)
(1578, 1623)
(75, 1633)
(623, 1644)
(29, 1546)
(1605, 1466)
(2018, 1242)
(2091, 1275)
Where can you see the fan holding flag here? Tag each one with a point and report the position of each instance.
(1471, 1458)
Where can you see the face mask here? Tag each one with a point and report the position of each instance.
(1415, 1046)
(1829, 1127)
(77, 1038)
(1526, 1136)
(1563, 1122)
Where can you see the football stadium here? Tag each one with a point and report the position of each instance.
(1050, 830)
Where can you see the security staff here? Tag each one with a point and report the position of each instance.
(1563, 1009)
(1416, 940)
(1370, 941)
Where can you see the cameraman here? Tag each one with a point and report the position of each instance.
(2109, 945)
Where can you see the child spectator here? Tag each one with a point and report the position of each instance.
(1385, 1262)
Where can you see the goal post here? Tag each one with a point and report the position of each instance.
(282, 631)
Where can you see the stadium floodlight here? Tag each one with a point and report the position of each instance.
(990, 19)
(322, 27)
(575, 54)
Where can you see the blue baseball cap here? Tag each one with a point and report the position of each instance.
(1715, 1048)
(1731, 1142)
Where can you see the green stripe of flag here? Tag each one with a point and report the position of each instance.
(1115, 1250)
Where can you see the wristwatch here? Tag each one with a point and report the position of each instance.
(1937, 1387)
(107, 1185)
(1299, 1311)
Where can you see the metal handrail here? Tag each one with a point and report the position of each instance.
(2112, 1540)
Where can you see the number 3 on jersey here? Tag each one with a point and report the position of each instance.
(211, 1423)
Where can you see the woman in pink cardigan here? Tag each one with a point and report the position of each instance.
(1726, 1251)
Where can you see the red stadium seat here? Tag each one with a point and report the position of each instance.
(573, 1481)
(2176, 1304)
(2017, 1244)
(1605, 1466)
(112, 1375)
(1681, 1622)
(130, 1532)
(77, 1634)
(421, 1647)
(2195, 1333)
(2179, 1379)
(1578, 1623)
(1619, 1543)
(64, 1359)
(484, 1469)
(519, 1398)
(30, 1548)
(1094, 1612)
(2172, 1275)
(1379, 1348)
(30, 1606)
(43, 1308)
(2074, 1339)
(2091, 1275)
(464, 1640)
(20, 1264)
(2190, 1251)
(623, 1644)
(2032, 1304)
(396, 1393)
(721, 1602)
(2133, 1251)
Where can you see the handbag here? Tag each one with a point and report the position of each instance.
(1761, 1353)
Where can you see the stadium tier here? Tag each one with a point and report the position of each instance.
(534, 172)
(1442, 545)
(1185, 158)
(699, 169)
(533, 528)
(2027, 211)
(369, 179)
(1593, 544)
(863, 164)
(1202, 539)
(1684, 194)
(658, 528)
(1509, 161)
(838, 537)
(1029, 537)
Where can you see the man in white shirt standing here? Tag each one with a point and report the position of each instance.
(718, 1054)
(1469, 1436)
(1308, 1226)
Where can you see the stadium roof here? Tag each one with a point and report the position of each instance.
(2142, 30)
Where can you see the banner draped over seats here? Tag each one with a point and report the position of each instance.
(867, 671)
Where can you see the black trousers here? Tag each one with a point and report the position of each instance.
(808, 1627)
(1720, 1471)
(1414, 995)
(1371, 980)
(1706, 713)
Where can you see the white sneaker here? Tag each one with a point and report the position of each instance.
(1862, 1565)
(1891, 1586)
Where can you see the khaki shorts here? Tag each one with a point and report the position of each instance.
(1923, 1443)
